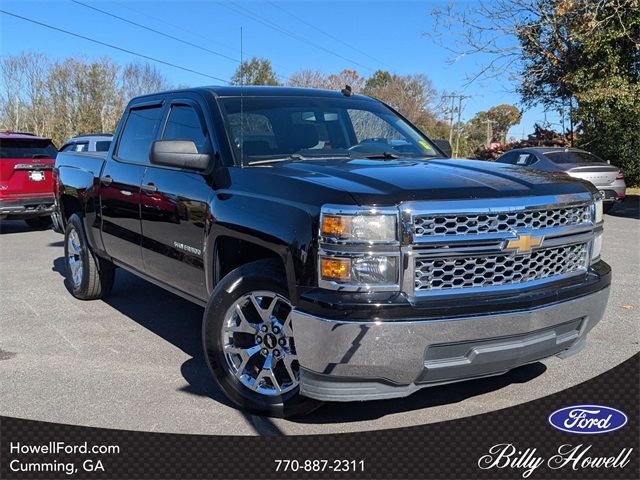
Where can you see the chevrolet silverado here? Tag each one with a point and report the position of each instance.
(339, 254)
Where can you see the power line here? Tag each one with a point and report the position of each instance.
(236, 8)
(115, 47)
(190, 32)
(177, 39)
(184, 29)
(309, 24)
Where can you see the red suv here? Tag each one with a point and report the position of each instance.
(26, 186)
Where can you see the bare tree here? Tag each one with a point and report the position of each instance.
(508, 34)
(141, 78)
(37, 109)
(309, 78)
(337, 81)
(11, 99)
(412, 95)
(71, 96)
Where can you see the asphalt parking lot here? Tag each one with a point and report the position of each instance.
(134, 361)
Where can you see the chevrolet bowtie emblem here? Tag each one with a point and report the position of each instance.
(524, 243)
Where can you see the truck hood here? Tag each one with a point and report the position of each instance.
(379, 182)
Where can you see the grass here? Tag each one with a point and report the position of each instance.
(633, 191)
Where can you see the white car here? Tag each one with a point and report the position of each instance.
(90, 142)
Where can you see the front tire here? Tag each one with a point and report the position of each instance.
(88, 276)
(249, 343)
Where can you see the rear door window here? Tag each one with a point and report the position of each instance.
(81, 147)
(139, 132)
(522, 159)
(68, 147)
(103, 146)
(26, 148)
(509, 158)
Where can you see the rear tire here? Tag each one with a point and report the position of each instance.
(248, 342)
(39, 222)
(88, 276)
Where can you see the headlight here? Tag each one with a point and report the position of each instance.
(359, 226)
(598, 210)
(596, 248)
(359, 248)
(596, 244)
(360, 270)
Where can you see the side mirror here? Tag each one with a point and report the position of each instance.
(444, 145)
(178, 154)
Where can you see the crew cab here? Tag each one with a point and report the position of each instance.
(26, 187)
(339, 254)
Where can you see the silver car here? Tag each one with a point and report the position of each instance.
(574, 162)
(90, 142)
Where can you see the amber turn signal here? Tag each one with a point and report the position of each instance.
(336, 269)
(335, 226)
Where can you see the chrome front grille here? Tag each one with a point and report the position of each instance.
(433, 225)
(486, 245)
(498, 270)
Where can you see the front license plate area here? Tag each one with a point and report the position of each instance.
(36, 176)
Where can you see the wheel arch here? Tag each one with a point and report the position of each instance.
(233, 251)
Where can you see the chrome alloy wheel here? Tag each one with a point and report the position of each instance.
(258, 343)
(74, 257)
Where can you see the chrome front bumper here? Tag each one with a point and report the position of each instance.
(349, 360)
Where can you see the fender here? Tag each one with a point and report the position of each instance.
(282, 227)
(78, 181)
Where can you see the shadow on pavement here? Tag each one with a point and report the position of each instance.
(629, 208)
(17, 226)
(178, 321)
(169, 316)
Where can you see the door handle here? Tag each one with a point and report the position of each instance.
(106, 180)
(149, 187)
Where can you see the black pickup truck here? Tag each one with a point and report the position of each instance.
(339, 254)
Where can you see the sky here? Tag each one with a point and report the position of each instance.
(329, 36)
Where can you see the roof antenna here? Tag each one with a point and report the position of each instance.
(242, 72)
(346, 91)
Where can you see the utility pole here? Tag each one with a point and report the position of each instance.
(460, 98)
(562, 114)
(571, 121)
(451, 96)
(489, 130)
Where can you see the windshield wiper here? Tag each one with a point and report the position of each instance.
(296, 157)
(378, 156)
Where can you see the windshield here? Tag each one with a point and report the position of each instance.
(26, 148)
(281, 127)
(573, 157)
